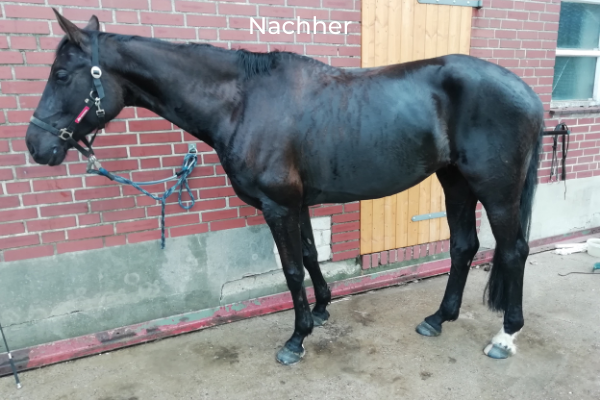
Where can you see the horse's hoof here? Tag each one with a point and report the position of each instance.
(427, 330)
(496, 352)
(286, 356)
(320, 319)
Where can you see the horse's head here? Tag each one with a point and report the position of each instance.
(62, 112)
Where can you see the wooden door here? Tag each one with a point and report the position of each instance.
(396, 31)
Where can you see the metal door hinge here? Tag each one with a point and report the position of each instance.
(424, 217)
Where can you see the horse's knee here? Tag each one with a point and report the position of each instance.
(464, 249)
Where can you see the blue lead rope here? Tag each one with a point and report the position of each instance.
(189, 162)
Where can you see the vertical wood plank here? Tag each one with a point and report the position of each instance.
(413, 209)
(436, 199)
(378, 242)
(465, 30)
(395, 31)
(420, 19)
(390, 222)
(454, 30)
(407, 22)
(402, 219)
(368, 34)
(424, 208)
(381, 32)
(366, 226)
(431, 30)
(443, 26)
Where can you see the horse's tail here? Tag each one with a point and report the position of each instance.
(531, 181)
(495, 286)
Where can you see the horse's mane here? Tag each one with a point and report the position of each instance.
(251, 63)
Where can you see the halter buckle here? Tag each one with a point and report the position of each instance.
(96, 72)
(99, 110)
(65, 134)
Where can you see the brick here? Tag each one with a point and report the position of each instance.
(28, 12)
(20, 26)
(66, 209)
(345, 255)
(129, 30)
(141, 225)
(28, 253)
(115, 241)
(127, 17)
(10, 57)
(19, 116)
(161, 5)
(129, 4)
(212, 21)
(6, 174)
(196, 7)
(7, 160)
(350, 226)
(19, 241)
(18, 215)
(14, 228)
(256, 220)
(339, 247)
(217, 215)
(146, 151)
(23, 43)
(174, 33)
(163, 137)
(220, 192)
(186, 219)
(366, 261)
(188, 230)
(227, 224)
(88, 219)
(123, 215)
(83, 15)
(52, 237)
(56, 184)
(9, 202)
(8, 102)
(327, 210)
(79, 245)
(138, 237)
(18, 187)
(237, 9)
(51, 224)
(279, 12)
(98, 193)
(90, 232)
(343, 237)
(47, 198)
(153, 18)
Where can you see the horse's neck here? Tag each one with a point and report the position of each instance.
(194, 88)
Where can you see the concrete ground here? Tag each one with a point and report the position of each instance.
(368, 350)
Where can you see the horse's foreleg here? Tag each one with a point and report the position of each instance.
(460, 208)
(285, 227)
(310, 259)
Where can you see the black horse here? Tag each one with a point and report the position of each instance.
(292, 132)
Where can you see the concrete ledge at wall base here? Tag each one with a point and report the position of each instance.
(82, 346)
(108, 340)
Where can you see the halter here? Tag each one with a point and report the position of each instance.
(66, 134)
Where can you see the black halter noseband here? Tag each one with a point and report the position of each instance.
(66, 134)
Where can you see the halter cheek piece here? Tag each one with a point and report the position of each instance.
(66, 134)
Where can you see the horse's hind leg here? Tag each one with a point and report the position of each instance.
(506, 279)
(310, 259)
(460, 208)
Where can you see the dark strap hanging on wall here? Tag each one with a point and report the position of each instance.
(563, 130)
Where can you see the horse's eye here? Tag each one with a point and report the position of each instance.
(62, 75)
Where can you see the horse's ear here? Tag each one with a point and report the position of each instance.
(93, 24)
(74, 34)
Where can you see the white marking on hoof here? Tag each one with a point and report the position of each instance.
(504, 341)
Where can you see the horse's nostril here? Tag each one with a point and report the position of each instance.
(31, 149)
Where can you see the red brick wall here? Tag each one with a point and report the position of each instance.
(521, 36)
(53, 210)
